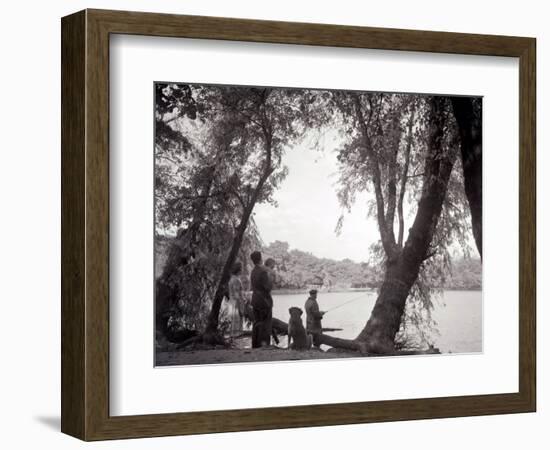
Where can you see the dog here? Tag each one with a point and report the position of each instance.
(298, 339)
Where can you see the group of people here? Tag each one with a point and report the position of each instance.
(262, 279)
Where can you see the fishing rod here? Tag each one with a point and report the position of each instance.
(346, 302)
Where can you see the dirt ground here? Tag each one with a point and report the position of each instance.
(240, 351)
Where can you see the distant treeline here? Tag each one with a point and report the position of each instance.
(299, 270)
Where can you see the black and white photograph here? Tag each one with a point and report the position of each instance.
(259, 225)
(304, 223)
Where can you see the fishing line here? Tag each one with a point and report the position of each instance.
(345, 303)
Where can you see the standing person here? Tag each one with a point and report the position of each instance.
(262, 303)
(236, 302)
(270, 267)
(313, 317)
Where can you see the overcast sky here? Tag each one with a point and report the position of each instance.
(308, 209)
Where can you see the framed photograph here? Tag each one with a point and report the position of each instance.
(273, 225)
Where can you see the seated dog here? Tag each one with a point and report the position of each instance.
(296, 331)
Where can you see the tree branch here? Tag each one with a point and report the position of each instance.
(392, 181)
(403, 183)
(387, 242)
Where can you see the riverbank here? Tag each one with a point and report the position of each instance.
(203, 354)
(238, 355)
(240, 351)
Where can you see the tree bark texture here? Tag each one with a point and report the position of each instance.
(469, 126)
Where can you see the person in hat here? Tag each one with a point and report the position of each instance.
(313, 317)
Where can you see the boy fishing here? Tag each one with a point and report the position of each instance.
(313, 317)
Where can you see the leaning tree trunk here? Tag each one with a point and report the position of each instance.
(469, 126)
(403, 268)
(213, 318)
(221, 289)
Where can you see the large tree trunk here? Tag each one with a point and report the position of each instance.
(469, 126)
(402, 270)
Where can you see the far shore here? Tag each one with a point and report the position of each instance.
(320, 290)
(373, 290)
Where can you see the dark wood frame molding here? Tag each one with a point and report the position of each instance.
(85, 224)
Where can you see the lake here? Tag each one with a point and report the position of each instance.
(458, 315)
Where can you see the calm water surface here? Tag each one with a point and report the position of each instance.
(457, 313)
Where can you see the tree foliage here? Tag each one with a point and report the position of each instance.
(387, 146)
(219, 151)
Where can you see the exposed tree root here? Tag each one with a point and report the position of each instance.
(346, 344)
(365, 349)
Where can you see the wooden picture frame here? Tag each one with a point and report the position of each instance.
(85, 224)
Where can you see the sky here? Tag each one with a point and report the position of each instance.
(308, 208)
